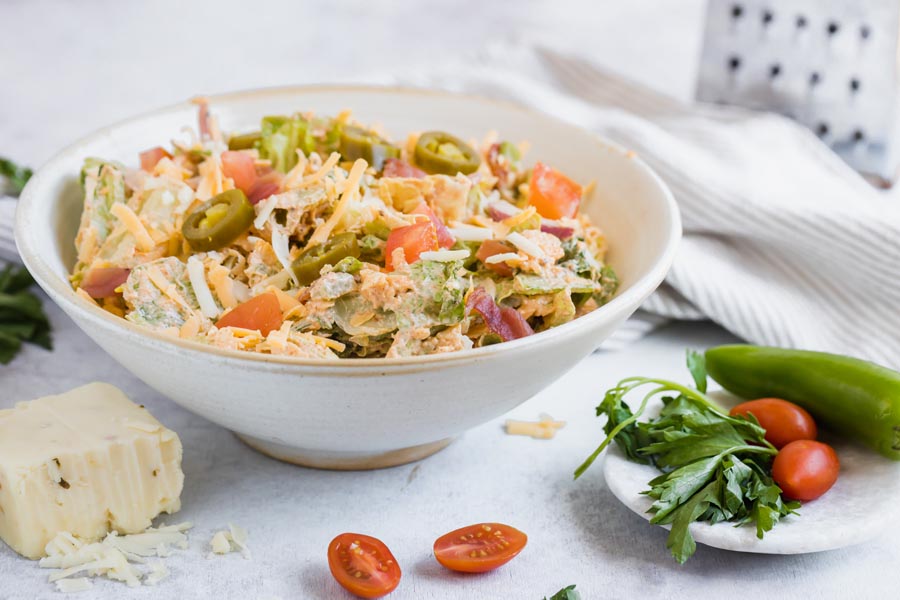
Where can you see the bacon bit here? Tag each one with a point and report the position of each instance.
(491, 248)
(505, 322)
(498, 168)
(150, 157)
(202, 103)
(101, 282)
(394, 167)
(445, 238)
(265, 186)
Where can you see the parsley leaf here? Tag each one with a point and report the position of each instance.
(567, 593)
(714, 467)
(16, 175)
(22, 317)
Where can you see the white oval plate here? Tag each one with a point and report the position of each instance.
(855, 510)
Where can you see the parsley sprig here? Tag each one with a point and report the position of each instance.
(715, 467)
(16, 175)
(567, 593)
(22, 317)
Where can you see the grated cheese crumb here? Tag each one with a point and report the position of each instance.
(545, 429)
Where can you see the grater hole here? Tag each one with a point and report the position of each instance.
(814, 78)
(854, 85)
(734, 62)
(737, 11)
(833, 28)
(774, 71)
(801, 22)
(767, 17)
(865, 32)
(859, 135)
(822, 129)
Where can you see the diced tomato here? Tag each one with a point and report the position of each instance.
(505, 322)
(394, 167)
(479, 548)
(241, 168)
(553, 194)
(414, 239)
(262, 313)
(150, 157)
(490, 248)
(264, 186)
(445, 238)
(101, 282)
(363, 565)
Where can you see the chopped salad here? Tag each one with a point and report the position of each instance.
(319, 237)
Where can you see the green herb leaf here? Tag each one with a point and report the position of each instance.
(22, 317)
(567, 593)
(696, 364)
(16, 175)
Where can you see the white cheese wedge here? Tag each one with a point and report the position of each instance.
(87, 462)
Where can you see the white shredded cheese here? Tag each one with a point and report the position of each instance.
(265, 210)
(281, 246)
(322, 233)
(197, 275)
(471, 233)
(239, 538)
(219, 543)
(525, 245)
(503, 257)
(158, 572)
(232, 540)
(444, 255)
(133, 224)
(73, 586)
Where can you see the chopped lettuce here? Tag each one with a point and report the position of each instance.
(281, 138)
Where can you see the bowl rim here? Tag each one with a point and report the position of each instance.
(59, 290)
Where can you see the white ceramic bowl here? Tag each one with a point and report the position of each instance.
(360, 413)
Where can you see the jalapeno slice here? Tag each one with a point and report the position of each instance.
(356, 143)
(440, 152)
(219, 221)
(307, 266)
(244, 141)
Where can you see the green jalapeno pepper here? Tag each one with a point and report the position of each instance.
(219, 221)
(356, 143)
(244, 141)
(440, 152)
(852, 397)
(308, 265)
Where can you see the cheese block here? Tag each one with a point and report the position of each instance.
(87, 462)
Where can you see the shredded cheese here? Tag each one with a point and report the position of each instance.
(286, 302)
(328, 342)
(265, 211)
(327, 166)
(471, 233)
(167, 288)
(190, 328)
(545, 429)
(197, 275)
(73, 586)
(281, 247)
(222, 282)
(525, 245)
(444, 255)
(321, 234)
(503, 257)
(130, 220)
(295, 174)
(232, 540)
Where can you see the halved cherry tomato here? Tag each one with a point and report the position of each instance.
(414, 239)
(363, 565)
(150, 157)
(490, 248)
(553, 194)
(479, 548)
(805, 469)
(445, 238)
(262, 313)
(241, 168)
(784, 421)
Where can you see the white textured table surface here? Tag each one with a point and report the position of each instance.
(69, 68)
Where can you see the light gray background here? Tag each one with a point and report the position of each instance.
(68, 68)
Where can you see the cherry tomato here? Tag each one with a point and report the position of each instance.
(490, 248)
(363, 565)
(784, 421)
(445, 238)
(414, 239)
(553, 194)
(262, 313)
(479, 548)
(805, 469)
(150, 157)
(241, 168)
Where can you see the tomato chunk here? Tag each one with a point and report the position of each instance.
(264, 186)
(553, 194)
(262, 313)
(414, 239)
(363, 565)
(491, 248)
(479, 548)
(445, 238)
(805, 469)
(241, 168)
(150, 157)
(784, 421)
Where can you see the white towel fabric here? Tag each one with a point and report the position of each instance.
(784, 244)
(7, 220)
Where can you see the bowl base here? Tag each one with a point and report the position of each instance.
(343, 461)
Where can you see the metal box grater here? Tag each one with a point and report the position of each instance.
(830, 64)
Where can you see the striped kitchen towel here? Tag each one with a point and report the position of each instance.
(784, 244)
